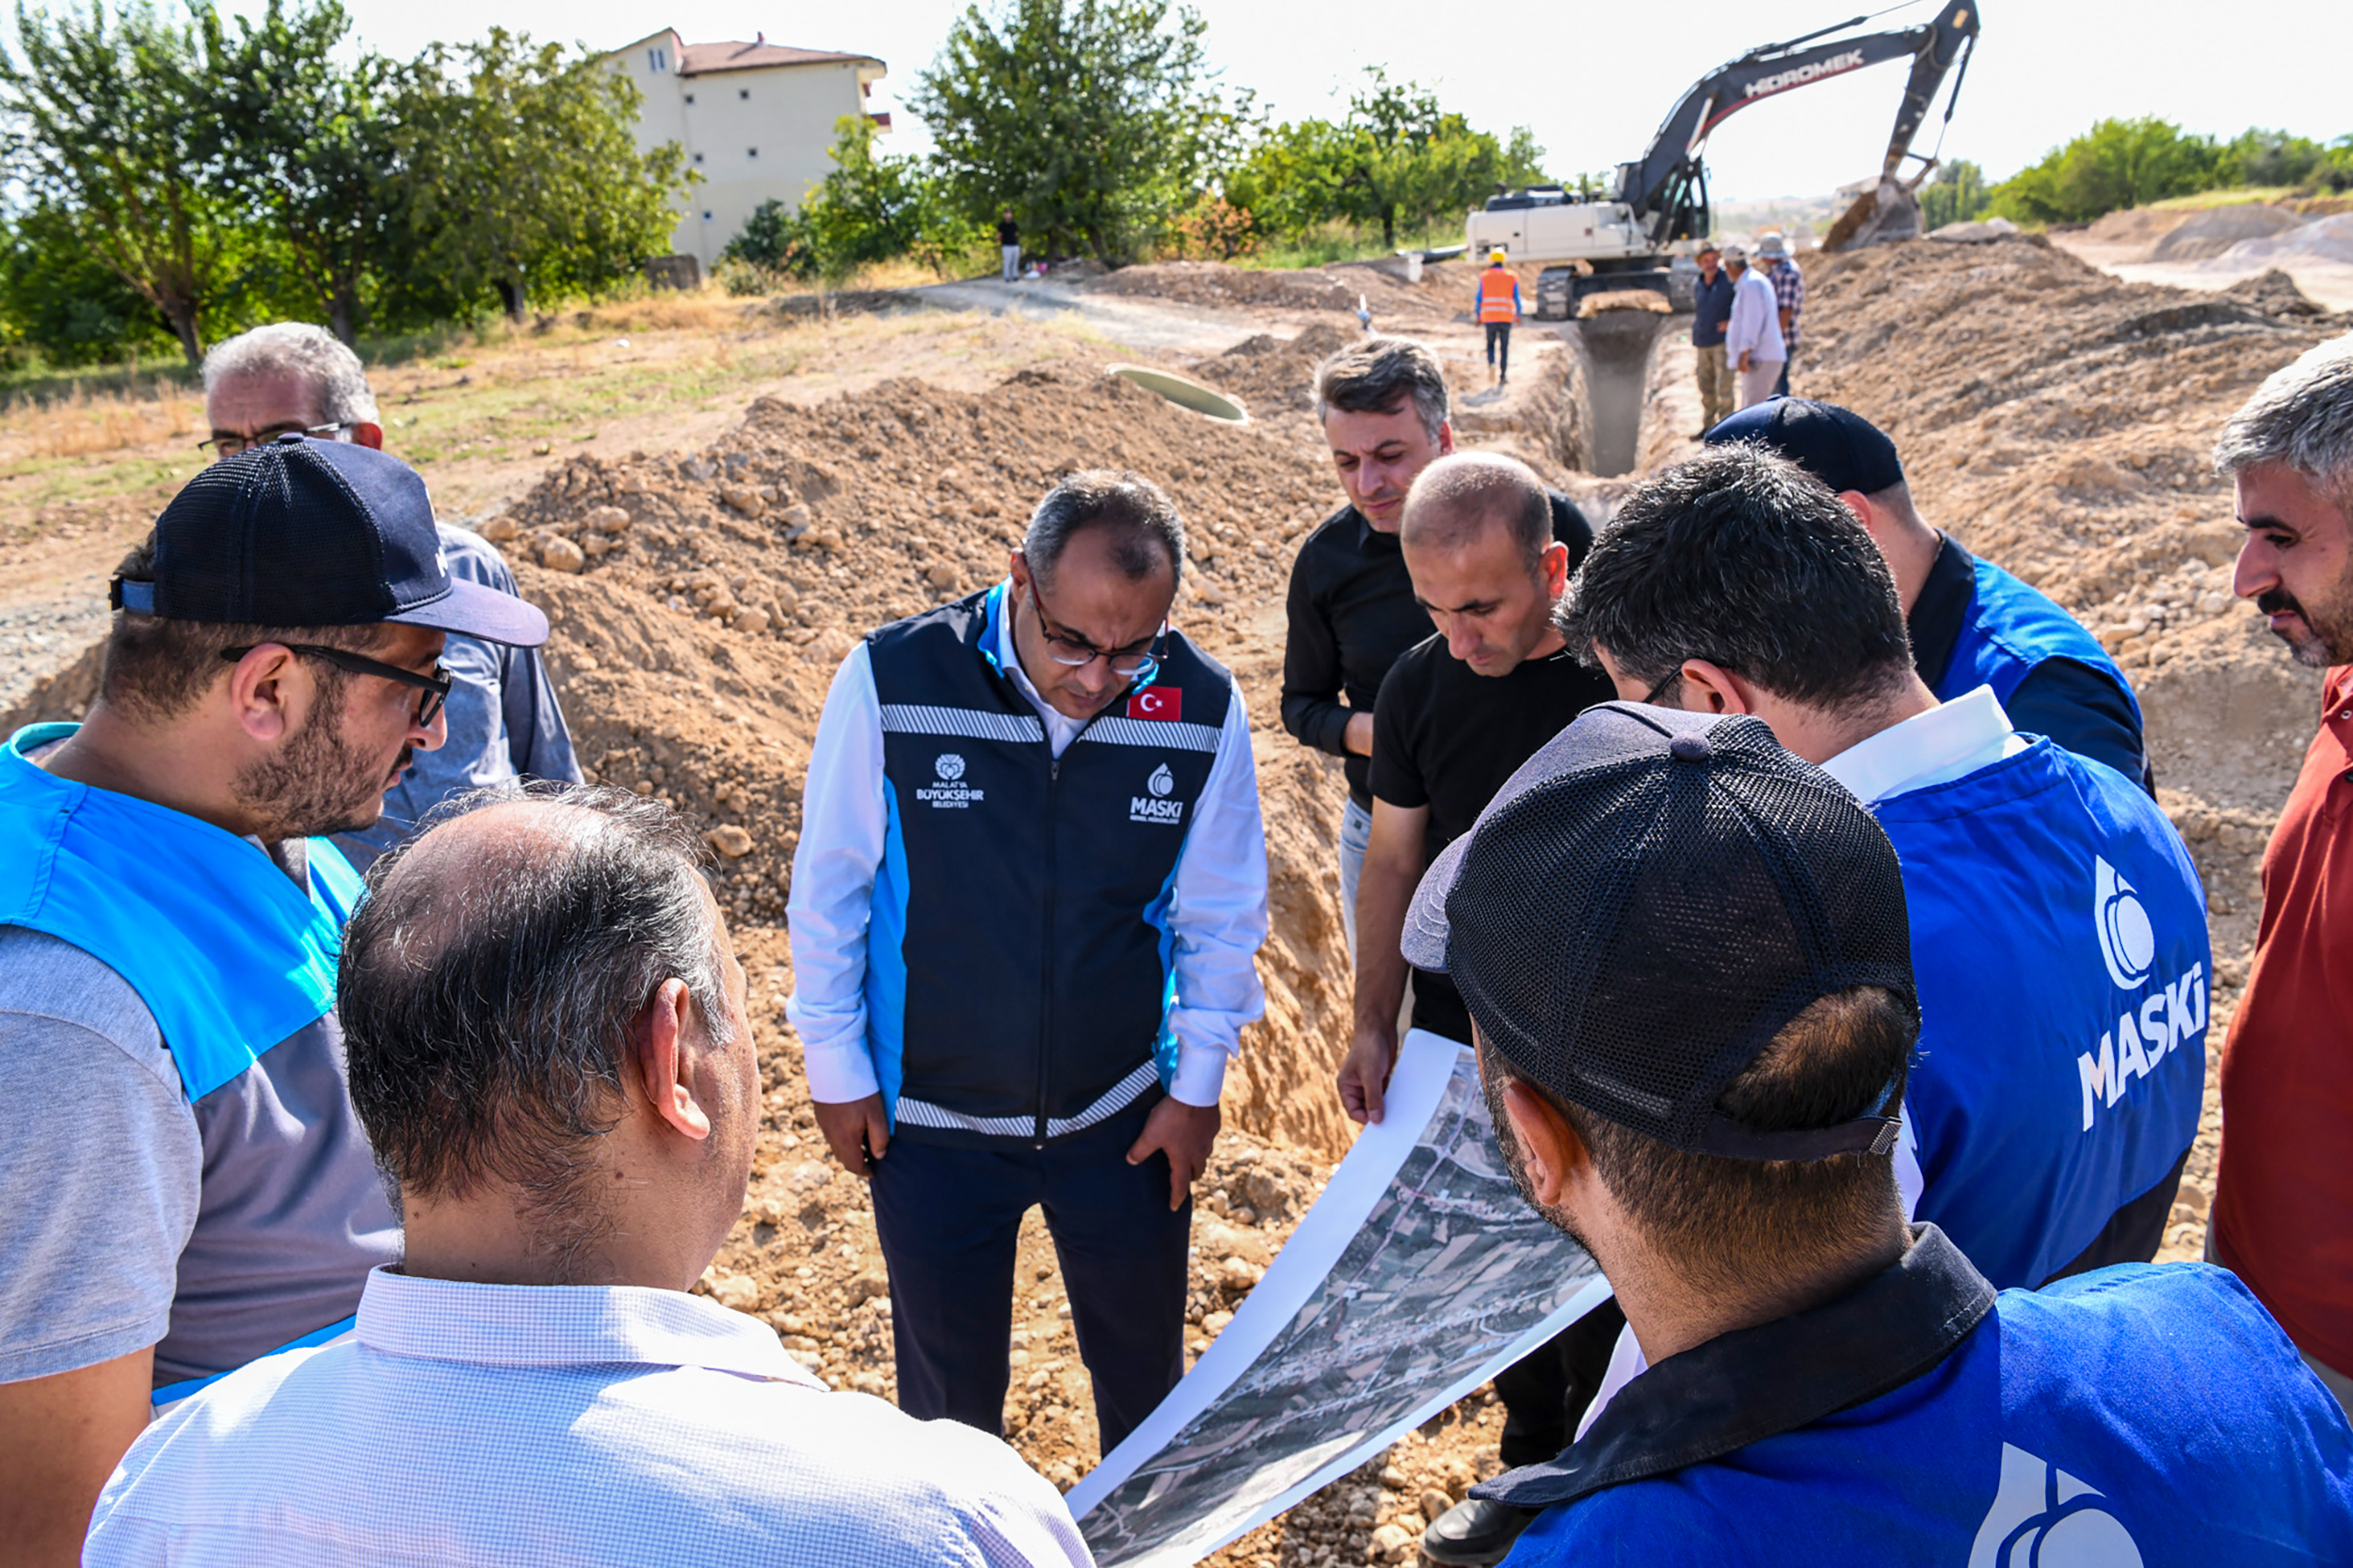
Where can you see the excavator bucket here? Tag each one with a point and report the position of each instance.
(1877, 218)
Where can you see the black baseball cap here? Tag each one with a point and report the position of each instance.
(1836, 445)
(1646, 903)
(311, 533)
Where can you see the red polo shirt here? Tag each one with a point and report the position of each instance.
(2284, 1199)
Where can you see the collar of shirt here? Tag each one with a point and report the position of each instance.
(566, 1325)
(1752, 1383)
(1948, 742)
(1061, 730)
(1937, 614)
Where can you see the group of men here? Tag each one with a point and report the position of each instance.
(1744, 325)
(1834, 976)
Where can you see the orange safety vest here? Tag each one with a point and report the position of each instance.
(1497, 288)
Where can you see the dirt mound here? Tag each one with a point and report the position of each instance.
(1336, 288)
(2275, 294)
(2212, 232)
(1272, 376)
(2327, 239)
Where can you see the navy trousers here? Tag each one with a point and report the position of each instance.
(948, 1217)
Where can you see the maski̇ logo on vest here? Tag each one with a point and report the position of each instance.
(2042, 1517)
(951, 794)
(2172, 1014)
(1157, 807)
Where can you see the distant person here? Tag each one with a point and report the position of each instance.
(505, 721)
(1496, 306)
(1752, 339)
(1684, 951)
(549, 1051)
(1971, 623)
(2283, 1198)
(2058, 926)
(1029, 888)
(1009, 244)
(1780, 266)
(186, 1187)
(1711, 312)
(1351, 610)
(1459, 712)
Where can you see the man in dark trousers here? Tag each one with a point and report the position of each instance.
(1009, 244)
(1971, 624)
(1030, 885)
(1684, 950)
(1457, 715)
(1711, 309)
(1384, 407)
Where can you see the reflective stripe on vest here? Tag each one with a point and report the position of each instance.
(1498, 295)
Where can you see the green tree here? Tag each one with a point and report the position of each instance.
(113, 133)
(871, 209)
(57, 298)
(1095, 120)
(2258, 157)
(314, 139)
(775, 238)
(519, 170)
(1957, 194)
(2117, 164)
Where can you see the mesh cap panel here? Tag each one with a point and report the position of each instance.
(1630, 932)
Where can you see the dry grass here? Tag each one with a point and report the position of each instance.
(89, 424)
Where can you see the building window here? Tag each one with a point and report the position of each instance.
(745, 93)
(706, 217)
(658, 60)
(751, 151)
(698, 157)
(690, 98)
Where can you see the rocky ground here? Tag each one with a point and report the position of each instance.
(703, 591)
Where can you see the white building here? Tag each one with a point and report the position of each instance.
(756, 119)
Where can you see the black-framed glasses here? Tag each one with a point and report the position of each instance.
(1076, 653)
(229, 446)
(433, 689)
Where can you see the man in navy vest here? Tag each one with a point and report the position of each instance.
(1029, 885)
(2058, 928)
(182, 1185)
(1683, 953)
(1971, 624)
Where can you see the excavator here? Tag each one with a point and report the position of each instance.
(1623, 239)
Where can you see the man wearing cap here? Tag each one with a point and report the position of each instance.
(503, 719)
(1781, 270)
(1752, 340)
(1971, 623)
(1684, 951)
(1496, 306)
(1029, 886)
(2058, 927)
(1458, 713)
(182, 1186)
(1711, 312)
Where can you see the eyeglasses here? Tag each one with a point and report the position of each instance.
(1076, 652)
(433, 689)
(229, 446)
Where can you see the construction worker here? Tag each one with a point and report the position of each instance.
(1498, 306)
(1711, 312)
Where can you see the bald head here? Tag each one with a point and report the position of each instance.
(1457, 499)
(491, 983)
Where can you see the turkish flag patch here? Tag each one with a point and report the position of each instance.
(1157, 702)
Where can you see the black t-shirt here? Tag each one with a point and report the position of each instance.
(1352, 613)
(1446, 738)
(1008, 232)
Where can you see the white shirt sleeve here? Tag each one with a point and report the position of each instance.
(843, 825)
(1743, 331)
(1218, 917)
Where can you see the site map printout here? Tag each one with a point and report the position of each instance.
(1417, 1276)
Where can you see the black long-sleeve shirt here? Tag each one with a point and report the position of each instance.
(1352, 612)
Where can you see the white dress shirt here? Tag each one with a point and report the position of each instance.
(1218, 914)
(1949, 742)
(538, 1424)
(1756, 324)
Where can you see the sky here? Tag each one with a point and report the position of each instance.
(1594, 86)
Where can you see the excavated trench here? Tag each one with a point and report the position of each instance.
(1615, 349)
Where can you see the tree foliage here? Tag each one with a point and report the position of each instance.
(1957, 194)
(1094, 121)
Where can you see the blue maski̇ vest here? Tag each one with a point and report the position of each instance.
(2011, 628)
(2059, 942)
(1019, 961)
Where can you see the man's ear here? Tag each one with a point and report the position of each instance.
(1864, 513)
(1556, 570)
(264, 686)
(1446, 437)
(1550, 1150)
(1712, 689)
(660, 1039)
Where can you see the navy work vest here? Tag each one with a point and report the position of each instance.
(1020, 960)
(2011, 628)
(2058, 937)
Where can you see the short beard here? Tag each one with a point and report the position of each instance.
(1491, 1076)
(314, 785)
(2330, 639)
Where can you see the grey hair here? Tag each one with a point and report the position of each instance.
(1463, 494)
(1147, 532)
(297, 348)
(489, 986)
(1378, 374)
(2301, 416)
